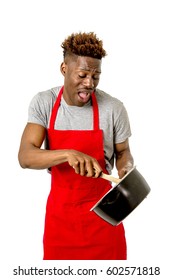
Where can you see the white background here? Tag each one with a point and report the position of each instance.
(138, 37)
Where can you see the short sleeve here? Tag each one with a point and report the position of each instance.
(40, 108)
(122, 129)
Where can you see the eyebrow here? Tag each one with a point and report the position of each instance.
(85, 69)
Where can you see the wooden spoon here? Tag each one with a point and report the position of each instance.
(110, 178)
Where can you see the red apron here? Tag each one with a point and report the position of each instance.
(72, 231)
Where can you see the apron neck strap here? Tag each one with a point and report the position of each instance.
(95, 111)
(57, 103)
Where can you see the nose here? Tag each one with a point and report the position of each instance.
(89, 82)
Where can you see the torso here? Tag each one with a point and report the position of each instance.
(112, 114)
(72, 231)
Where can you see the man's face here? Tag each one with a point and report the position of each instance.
(81, 77)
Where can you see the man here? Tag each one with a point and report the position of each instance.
(85, 129)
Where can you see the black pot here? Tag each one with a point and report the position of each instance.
(122, 199)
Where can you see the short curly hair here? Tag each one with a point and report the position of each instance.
(83, 44)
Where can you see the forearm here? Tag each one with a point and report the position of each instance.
(36, 158)
(124, 163)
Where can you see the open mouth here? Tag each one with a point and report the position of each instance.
(84, 96)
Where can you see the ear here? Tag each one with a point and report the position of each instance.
(63, 68)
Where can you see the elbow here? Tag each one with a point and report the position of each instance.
(22, 161)
(23, 165)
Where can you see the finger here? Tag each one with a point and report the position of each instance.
(89, 169)
(122, 173)
(82, 171)
(97, 172)
(76, 167)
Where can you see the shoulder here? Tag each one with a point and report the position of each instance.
(108, 102)
(46, 97)
(41, 106)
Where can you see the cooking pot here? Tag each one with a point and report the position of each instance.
(122, 198)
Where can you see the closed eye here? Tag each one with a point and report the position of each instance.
(82, 76)
(94, 77)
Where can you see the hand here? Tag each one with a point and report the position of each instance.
(124, 170)
(84, 164)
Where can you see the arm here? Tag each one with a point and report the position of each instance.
(32, 156)
(124, 159)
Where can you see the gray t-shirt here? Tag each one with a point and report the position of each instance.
(113, 118)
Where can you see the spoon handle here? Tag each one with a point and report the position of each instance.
(110, 178)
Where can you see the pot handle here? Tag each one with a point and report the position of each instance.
(110, 178)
